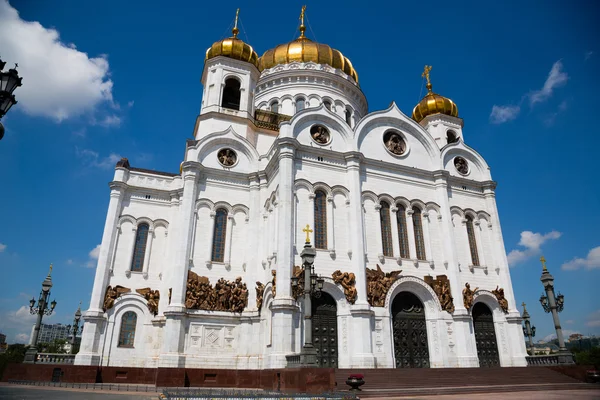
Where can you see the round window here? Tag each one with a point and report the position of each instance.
(461, 165)
(227, 157)
(320, 134)
(394, 143)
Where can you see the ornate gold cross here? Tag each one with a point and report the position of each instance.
(50, 272)
(543, 260)
(523, 304)
(235, 29)
(425, 73)
(308, 232)
(302, 27)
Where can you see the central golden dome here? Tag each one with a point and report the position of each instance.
(433, 103)
(305, 50)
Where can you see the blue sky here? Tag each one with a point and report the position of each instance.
(111, 79)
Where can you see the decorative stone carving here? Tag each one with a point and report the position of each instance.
(113, 294)
(152, 297)
(378, 284)
(260, 290)
(468, 296)
(320, 134)
(274, 282)
(502, 302)
(170, 293)
(441, 287)
(227, 157)
(348, 282)
(461, 165)
(298, 291)
(225, 296)
(394, 143)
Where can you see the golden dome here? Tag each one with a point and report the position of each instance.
(305, 50)
(233, 47)
(433, 103)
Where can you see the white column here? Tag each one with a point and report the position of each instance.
(395, 234)
(477, 229)
(114, 251)
(411, 234)
(253, 267)
(349, 218)
(377, 215)
(211, 234)
(265, 238)
(131, 251)
(330, 226)
(427, 238)
(148, 252)
(311, 217)
(194, 231)
(467, 246)
(229, 243)
(490, 239)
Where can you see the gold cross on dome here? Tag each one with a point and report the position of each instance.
(523, 304)
(543, 260)
(308, 232)
(425, 73)
(50, 272)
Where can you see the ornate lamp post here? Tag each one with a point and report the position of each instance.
(9, 81)
(75, 329)
(313, 285)
(528, 330)
(554, 304)
(41, 310)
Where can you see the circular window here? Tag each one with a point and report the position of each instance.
(227, 157)
(394, 143)
(461, 165)
(320, 134)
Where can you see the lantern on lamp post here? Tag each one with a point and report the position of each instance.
(40, 310)
(9, 81)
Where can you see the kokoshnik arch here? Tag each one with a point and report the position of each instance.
(195, 267)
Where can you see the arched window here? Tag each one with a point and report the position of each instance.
(139, 250)
(349, 116)
(386, 230)
(451, 137)
(127, 332)
(320, 220)
(218, 247)
(419, 241)
(231, 94)
(275, 106)
(327, 104)
(300, 104)
(402, 231)
(472, 242)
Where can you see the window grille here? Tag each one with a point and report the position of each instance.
(320, 220)
(139, 250)
(402, 232)
(127, 332)
(386, 230)
(218, 248)
(472, 241)
(419, 241)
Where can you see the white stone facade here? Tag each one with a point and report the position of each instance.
(268, 195)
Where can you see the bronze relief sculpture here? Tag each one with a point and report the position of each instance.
(260, 290)
(348, 282)
(113, 294)
(441, 287)
(378, 284)
(461, 165)
(227, 157)
(320, 134)
(468, 296)
(274, 282)
(394, 143)
(224, 296)
(502, 302)
(298, 291)
(152, 297)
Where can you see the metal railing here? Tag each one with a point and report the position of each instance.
(202, 394)
(117, 387)
(269, 120)
(54, 358)
(293, 359)
(551, 359)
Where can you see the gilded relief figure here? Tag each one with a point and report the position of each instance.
(298, 291)
(224, 296)
(502, 302)
(113, 294)
(274, 282)
(348, 282)
(260, 291)
(152, 297)
(441, 287)
(468, 296)
(378, 284)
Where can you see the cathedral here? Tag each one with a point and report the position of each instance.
(203, 268)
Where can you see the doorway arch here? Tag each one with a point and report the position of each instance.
(409, 331)
(325, 332)
(485, 336)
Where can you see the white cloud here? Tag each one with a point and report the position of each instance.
(593, 319)
(557, 77)
(590, 262)
(588, 54)
(2, 247)
(94, 254)
(69, 262)
(502, 114)
(92, 159)
(59, 81)
(569, 322)
(566, 334)
(532, 243)
(22, 338)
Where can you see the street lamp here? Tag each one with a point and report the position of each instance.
(313, 287)
(41, 310)
(554, 304)
(9, 81)
(75, 329)
(528, 330)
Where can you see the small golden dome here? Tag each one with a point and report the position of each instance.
(233, 47)
(433, 103)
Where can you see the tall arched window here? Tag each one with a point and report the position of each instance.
(349, 116)
(231, 94)
(327, 104)
(139, 249)
(300, 104)
(402, 232)
(127, 331)
(386, 230)
(320, 220)
(451, 137)
(419, 241)
(472, 241)
(275, 106)
(218, 247)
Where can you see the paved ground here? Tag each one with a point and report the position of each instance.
(542, 395)
(38, 393)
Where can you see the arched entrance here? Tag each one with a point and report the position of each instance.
(324, 324)
(410, 332)
(485, 336)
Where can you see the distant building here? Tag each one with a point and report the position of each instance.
(3, 345)
(50, 333)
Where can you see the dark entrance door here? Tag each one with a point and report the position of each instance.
(56, 374)
(485, 336)
(410, 332)
(324, 320)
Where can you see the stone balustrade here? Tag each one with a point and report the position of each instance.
(54, 358)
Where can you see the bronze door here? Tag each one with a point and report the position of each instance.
(485, 336)
(410, 332)
(324, 320)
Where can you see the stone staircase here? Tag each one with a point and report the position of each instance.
(437, 381)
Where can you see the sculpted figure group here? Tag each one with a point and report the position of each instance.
(152, 297)
(113, 294)
(502, 302)
(298, 291)
(468, 296)
(441, 287)
(378, 284)
(348, 282)
(260, 290)
(225, 296)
